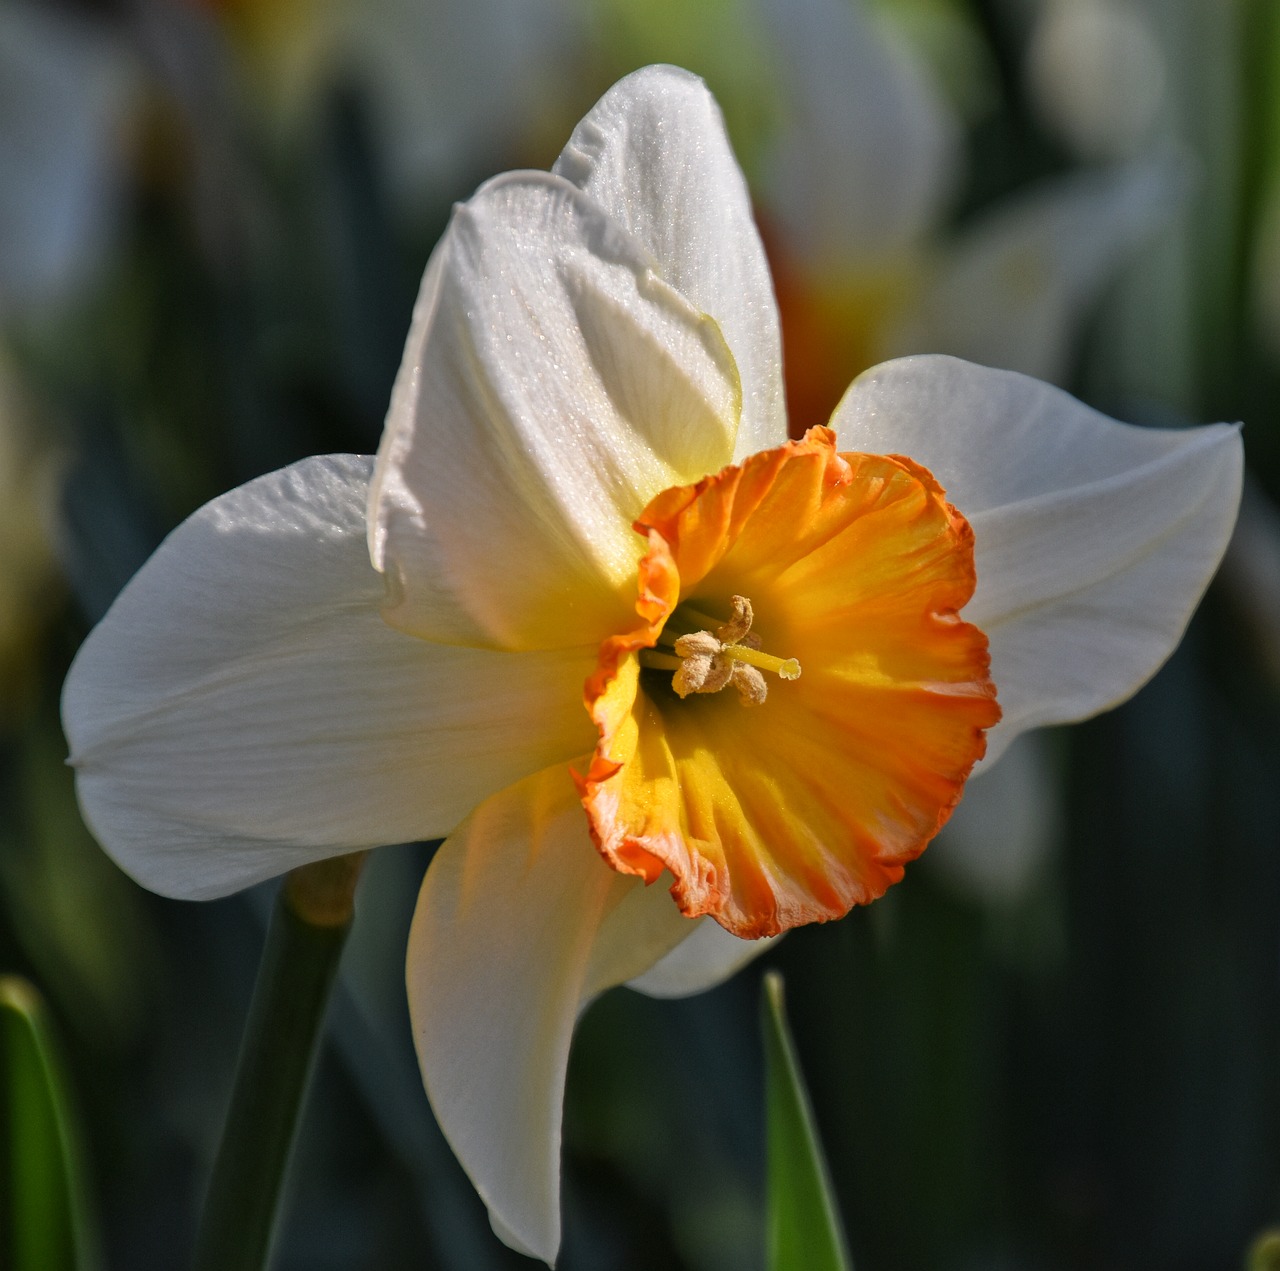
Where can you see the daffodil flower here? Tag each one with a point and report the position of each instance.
(585, 480)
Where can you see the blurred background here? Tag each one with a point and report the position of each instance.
(1056, 1044)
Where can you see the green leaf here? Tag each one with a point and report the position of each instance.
(1264, 1253)
(44, 1215)
(803, 1224)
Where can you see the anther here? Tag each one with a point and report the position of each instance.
(739, 624)
(707, 662)
(752, 689)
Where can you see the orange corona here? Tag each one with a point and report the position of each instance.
(838, 580)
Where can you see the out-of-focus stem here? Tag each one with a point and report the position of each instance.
(304, 943)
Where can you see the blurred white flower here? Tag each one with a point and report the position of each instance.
(865, 162)
(450, 85)
(67, 93)
(1097, 73)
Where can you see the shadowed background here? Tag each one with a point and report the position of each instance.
(1055, 1044)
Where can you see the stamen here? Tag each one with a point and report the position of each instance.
(702, 674)
(694, 618)
(706, 663)
(737, 627)
(677, 627)
(752, 690)
(787, 668)
(697, 644)
(659, 661)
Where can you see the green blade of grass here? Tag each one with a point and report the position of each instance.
(803, 1225)
(45, 1222)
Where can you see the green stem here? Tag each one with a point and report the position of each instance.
(304, 942)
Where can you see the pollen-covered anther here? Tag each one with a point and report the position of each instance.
(698, 644)
(731, 656)
(703, 668)
(750, 684)
(739, 625)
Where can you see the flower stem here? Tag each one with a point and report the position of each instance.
(304, 942)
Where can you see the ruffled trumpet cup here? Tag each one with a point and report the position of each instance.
(585, 481)
(796, 811)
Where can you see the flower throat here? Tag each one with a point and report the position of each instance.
(707, 655)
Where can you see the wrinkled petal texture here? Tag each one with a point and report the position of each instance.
(243, 709)
(1094, 540)
(518, 926)
(795, 810)
(653, 152)
(552, 379)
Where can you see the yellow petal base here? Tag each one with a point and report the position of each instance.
(810, 803)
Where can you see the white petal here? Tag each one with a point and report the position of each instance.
(707, 957)
(243, 708)
(519, 924)
(1014, 289)
(868, 150)
(654, 153)
(552, 384)
(1094, 540)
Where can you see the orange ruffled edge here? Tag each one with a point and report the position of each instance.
(613, 693)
